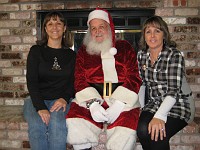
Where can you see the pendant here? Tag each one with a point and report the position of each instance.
(56, 66)
(144, 67)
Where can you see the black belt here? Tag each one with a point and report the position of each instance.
(105, 89)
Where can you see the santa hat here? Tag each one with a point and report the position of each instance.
(103, 14)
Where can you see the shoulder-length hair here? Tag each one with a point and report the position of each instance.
(67, 36)
(159, 23)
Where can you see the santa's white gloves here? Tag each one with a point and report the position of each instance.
(114, 111)
(98, 113)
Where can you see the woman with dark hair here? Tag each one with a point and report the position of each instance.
(50, 79)
(166, 98)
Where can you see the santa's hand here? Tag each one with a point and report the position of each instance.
(114, 111)
(98, 113)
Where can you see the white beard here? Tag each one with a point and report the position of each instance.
(96, 48)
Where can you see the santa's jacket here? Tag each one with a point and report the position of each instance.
(89, 70)
(122, 67)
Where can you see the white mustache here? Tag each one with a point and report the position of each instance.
(99, 35)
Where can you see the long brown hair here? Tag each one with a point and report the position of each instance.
(67, 37)
(159, 23)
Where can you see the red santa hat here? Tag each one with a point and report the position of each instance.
(103, 14)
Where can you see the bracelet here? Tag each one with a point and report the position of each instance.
(89, 103)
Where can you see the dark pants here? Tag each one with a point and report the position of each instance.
(172, 126)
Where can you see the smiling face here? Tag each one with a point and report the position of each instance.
(55, 28)
(154, 37)
(99, 30)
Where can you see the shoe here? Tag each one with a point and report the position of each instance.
(87, 148)
(69, 147)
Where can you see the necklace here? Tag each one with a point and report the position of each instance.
(153, 60)
(154, 56)
(56, 66)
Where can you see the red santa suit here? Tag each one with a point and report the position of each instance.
(122, 68)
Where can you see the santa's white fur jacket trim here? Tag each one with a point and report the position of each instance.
(87, 94)
(121, 93)
(126, 96)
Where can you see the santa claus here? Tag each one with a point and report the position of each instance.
(107, 84)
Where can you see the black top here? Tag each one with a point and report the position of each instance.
(50, 74)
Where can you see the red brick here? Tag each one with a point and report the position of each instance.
(193, 55)
(175, 2)
(4, 48)
(3, 134)
(193, 38)
(28, 23)
(193, 20)
(52, 6)
(179, 38)
(21, 63)
(181, 147)
(21, 31)
(4, 16)
(26, 144)
(15, 87)
(150, 3)
(191, 128)
(194, 71)
(17, 1)
(197, 147)
(17, 134)
(164, 11)
(191, 80)
(10, 144)
(89, 4)
(186, 46)
(21, 94)
(10, 56)
(6, 94)
(9, 7)
(175, 139)
(125, 4)
(10, 39)
(186, 29)
(183, 3)
(20, 47)
(5, 79)
(13, 126)
(23, 126)
(190, 138)
(20, 15)
(2, 125)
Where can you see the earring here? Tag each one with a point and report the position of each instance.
(63, 34)
(164, 42)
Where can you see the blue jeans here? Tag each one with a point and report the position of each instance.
(41, 136)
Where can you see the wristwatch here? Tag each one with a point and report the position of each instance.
(89, 103)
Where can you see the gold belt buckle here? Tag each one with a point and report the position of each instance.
(107, 89)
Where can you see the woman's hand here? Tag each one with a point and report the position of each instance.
(60, 103)
(45, 116)
(157, 127)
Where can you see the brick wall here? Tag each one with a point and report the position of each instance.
(18, 33)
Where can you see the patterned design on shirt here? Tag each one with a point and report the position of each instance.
(163, 79)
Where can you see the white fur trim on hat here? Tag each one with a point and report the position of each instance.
(98, 14)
